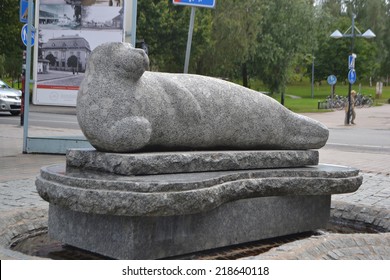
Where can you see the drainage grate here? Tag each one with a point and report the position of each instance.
(40, 245)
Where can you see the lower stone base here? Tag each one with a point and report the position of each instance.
(125, 237)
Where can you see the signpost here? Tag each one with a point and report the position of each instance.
(23, 11)
(351, 80)
(351, 61)
(23, 34)
(27, 32)
(193, 4)
(352, 76)
(332, 80)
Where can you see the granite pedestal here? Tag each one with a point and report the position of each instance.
(107, 204)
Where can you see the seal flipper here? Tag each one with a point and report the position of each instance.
(125, 135)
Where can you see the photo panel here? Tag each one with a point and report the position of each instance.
(106, 3)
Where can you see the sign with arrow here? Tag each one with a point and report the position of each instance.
(332, 80)
(352, 76)
(351, 61)
(23, 34)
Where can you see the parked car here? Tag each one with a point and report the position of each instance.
(10, 99)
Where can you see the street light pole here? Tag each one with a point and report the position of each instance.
(337, 34)
(312, 77)
(348, 117)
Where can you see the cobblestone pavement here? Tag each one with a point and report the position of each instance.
(21, 209)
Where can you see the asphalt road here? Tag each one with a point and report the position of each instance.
(49, 120)
(360, 140)
(370, 140)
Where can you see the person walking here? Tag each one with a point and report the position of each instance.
(352, 114)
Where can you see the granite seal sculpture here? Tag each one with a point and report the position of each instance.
(183, 164)
(122, 107)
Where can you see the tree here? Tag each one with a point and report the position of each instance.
(331, 54)
(2, 65)
(236, 26)
(11, 46)
(52, 59)
(287, 32)
(164, 27)
(72, 61)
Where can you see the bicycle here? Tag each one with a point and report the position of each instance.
(363, 101)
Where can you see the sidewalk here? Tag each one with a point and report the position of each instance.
(370, 204)
(373, 118)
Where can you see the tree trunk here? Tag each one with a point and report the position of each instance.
(244, 75)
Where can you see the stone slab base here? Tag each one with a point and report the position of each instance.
(126, 237)
(186, 161)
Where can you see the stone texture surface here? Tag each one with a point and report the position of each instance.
(16, 220)
(121, 107)
(184, 162)
(123, 237)
(333, 247)
(18, 224)
(185, 193)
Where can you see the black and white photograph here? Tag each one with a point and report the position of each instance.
(102, 17)
(63, 55)
(60, 17)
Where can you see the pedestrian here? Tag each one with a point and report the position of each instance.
(110, 3)
(352, 114)
(118, 3)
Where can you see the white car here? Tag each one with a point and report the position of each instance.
(10, 99)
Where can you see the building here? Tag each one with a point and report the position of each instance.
(66, 52)
(47, 17)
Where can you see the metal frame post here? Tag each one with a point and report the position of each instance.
(189, 40)
(349, 111)
(134, 23)
(28, 74)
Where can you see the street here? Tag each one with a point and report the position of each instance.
(360, 138)
(49, 120)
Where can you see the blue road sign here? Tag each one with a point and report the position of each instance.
(23, 10)
(23, 34)
(351, 61)
(332, 80)
(352, 76)
(196, 3)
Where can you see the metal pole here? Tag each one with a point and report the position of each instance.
(189, 40)
(28, 74)
(134, 23)
(348, 117)
(312, 78)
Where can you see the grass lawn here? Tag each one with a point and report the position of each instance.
(298, 95)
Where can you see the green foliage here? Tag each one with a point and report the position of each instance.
(164, 27)
(236, 27)
(11, 46)
(287, 32)
(331, 56)
(254, 40)
(2, 65)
